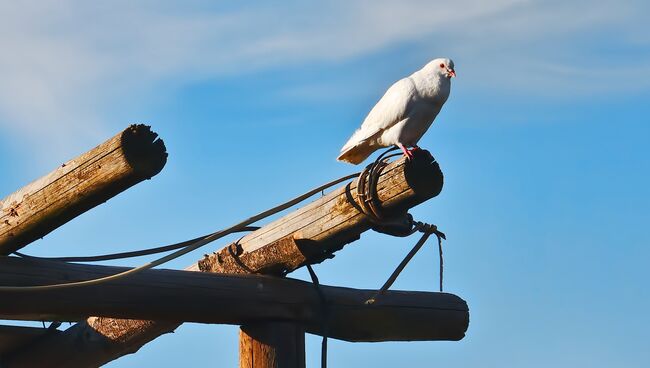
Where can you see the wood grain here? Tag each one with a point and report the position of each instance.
(185, 296)
(78, 185)
(311, 233)
(307, 235)
(272, 345)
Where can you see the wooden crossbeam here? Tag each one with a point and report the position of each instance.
(13, 338)
(305, 236)
(186, 296)
(311, 233)
(78, 185)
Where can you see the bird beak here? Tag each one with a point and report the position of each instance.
(451, 73)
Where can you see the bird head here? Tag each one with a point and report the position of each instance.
(443, 67)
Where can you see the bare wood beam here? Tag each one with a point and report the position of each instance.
(186, 296)
(293, 241)
(272, 345)
(311, 233)
(14, 337)
(306, 235)
(78, 185)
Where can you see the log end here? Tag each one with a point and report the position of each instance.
(401, 316)
(144, 150)
(423, 174)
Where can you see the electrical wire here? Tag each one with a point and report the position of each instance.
(325, 315)
(192, 246)
(366, 192)
(123, 255)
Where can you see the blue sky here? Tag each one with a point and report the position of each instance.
(543, 143)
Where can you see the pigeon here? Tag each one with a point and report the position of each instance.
(403, 114)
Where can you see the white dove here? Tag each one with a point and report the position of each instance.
(403, 114)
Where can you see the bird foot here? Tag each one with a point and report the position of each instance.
(407, 153)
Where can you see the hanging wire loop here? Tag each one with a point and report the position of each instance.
(397, 225)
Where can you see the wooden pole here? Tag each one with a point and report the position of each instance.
(307, 235)
(15, 337)
(272, 345)
(185, 296)
(78, 185)
(312, 233)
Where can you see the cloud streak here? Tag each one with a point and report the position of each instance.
(65, 62)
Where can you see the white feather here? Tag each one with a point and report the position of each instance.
(403, 114)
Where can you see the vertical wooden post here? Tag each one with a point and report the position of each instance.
(272, 345)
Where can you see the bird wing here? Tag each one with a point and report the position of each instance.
(392, 108)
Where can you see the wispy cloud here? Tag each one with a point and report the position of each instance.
(64, 62)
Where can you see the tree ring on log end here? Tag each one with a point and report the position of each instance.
(143, 150)
(423, 174)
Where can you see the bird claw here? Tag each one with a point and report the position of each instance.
(409, 153)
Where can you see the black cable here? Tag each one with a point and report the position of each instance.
(132, 254)
(399, 269)
(369, 205)
(440, 256)
(325, 314)
(193, 246)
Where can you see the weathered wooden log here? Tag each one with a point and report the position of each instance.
(15, 337)
(78, 185)
(307, 235)
(272, 345)
(311, 233)
(186, 296)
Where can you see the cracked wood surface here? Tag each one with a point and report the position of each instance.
(307, 235)
(78, 185)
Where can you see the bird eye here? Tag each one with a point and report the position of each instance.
(442, 65)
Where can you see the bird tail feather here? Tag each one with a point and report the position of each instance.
(358, 153)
